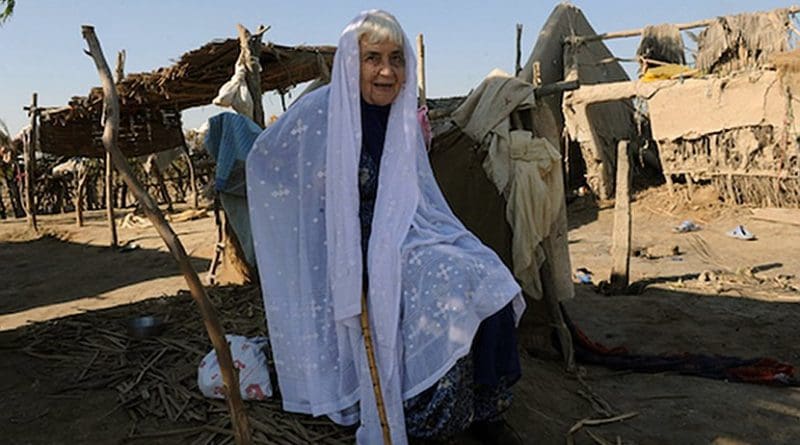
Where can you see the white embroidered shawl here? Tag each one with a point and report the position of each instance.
(431, 281)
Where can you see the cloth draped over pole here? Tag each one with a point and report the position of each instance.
(524, 169)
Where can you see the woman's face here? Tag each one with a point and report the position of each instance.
(383, 71)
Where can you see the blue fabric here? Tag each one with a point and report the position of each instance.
(374, 119)
(455, 402)
(230, 138)
(494, 349)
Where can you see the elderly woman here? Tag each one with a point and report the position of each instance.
(343, 201)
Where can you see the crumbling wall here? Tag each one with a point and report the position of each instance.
(738, 131)
(749, 165)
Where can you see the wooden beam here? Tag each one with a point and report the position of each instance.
(605, 92)
(216, 334)
(621, 239)
(575, 40)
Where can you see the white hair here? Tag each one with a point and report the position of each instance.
(380, 26)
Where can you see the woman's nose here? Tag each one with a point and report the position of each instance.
(385, 68)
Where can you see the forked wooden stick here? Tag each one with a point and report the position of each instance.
(230, 378)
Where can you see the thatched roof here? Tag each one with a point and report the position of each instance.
(151, 103)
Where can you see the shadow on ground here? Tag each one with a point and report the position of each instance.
(45, 271)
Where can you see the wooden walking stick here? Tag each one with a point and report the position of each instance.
(230, 379)
(373, 370)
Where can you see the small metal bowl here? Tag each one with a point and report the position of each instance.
(145, 326)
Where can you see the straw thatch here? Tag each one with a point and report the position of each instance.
(151, 103)
(742, 41)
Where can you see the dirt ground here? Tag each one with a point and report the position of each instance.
(65, 290)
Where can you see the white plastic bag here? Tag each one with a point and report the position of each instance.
(248, 357)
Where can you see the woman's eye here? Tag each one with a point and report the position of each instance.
(398, 60)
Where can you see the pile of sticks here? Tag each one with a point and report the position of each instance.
(156, 378)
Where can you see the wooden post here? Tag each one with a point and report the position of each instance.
(119, 74)
(556, 316)
(112, 226)
(3, 213)
(219, 246)
(283, 100)
(518, 64)
(30, 146)
(190, 166)
(250, 54)
(230, 378)
(670, 185)
(621, 241)
(162, 185)
(13, 191)
(81, 174)
(422, 99)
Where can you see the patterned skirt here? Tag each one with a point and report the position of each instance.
(454, 402)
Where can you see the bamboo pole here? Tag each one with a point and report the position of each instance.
(215, 331)
(621, 239)
(30, 162)
(422, 99)
(373, 371)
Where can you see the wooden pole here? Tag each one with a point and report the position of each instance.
(556, 316)
(3, 213)
(635, 32)
(250, 54)
(112, 226)
(192, 180)
(219, 246)
(422, 99)
(162, 185)
(373, 371)
(30, 147)
(283, 100)
(81, 174)
(13, 190)
(518, 64)
(119, 74)
(621, 241)
(230, 378)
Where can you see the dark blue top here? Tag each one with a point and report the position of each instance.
(374, 119)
